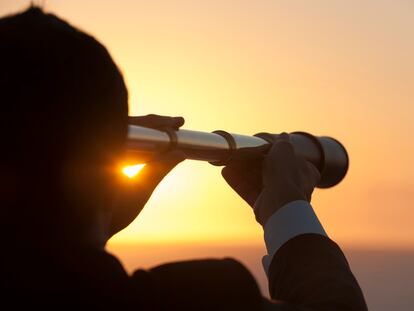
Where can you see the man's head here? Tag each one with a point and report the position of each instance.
(63, 121)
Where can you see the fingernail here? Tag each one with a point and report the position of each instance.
(180, 120)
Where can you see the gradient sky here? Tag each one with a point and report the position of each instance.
(338, 68)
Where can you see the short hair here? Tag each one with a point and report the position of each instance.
(62, 98)
(60, 92)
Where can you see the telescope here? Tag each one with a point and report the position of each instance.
(326, 153)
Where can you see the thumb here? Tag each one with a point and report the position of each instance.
(153, 172)
(245, 184)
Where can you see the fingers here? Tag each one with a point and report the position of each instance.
(282, 146)
(281, 151)
(157, 122)
(134, 193)
(281, 137)
(243, 172)
(279, 161)
(155, 170)
(246, 182)
(314, 173)
(248, 155)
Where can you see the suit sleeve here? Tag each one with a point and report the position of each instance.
(310, 272)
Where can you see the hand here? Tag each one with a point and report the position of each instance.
(133, 194)
(268, 182)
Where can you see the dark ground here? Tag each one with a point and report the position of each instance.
(386, 276)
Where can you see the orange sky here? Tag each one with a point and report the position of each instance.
(338, 68)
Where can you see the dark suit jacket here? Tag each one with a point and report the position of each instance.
(308, 273)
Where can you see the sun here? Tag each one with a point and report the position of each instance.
(132, 170)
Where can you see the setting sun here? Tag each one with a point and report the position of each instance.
(132, 170)
(343, 69)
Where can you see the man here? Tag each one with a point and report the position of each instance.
(64, 126)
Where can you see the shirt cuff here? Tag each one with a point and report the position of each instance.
(293, 219)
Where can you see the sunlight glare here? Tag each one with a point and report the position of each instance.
(132, 170)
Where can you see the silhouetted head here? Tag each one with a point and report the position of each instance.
(63, 126)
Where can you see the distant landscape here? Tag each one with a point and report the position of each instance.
(386, 276)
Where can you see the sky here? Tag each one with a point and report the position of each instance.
(338, 68)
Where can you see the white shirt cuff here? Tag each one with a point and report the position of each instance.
(293, 219)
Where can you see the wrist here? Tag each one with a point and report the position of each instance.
(270, 201)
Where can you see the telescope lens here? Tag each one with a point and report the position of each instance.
(336, 162)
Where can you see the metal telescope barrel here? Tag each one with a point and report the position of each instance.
(326, 153)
